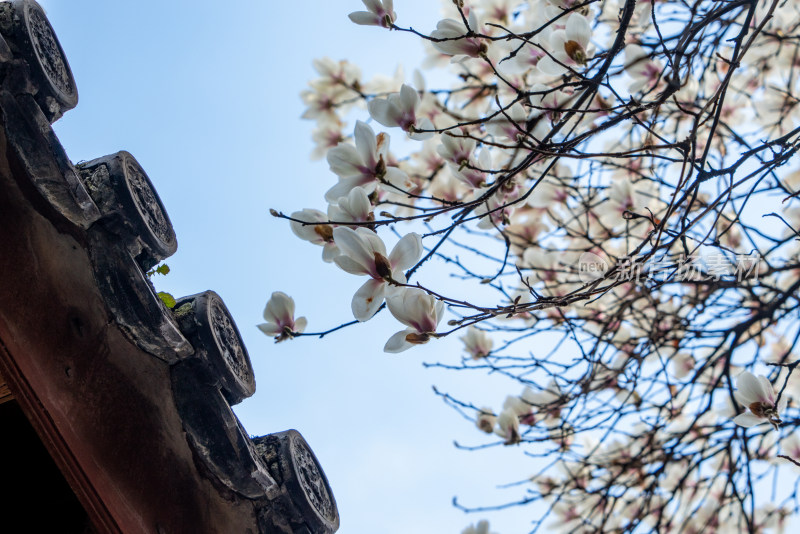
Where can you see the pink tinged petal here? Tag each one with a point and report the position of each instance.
(353, 246)
(280, 308)
(767, 390)
(578, 29)
(397, 343)
(388, 5)
(747, 420)
(384, 112)
(345, 161)
(300, 325)
(366, 144)
(368, 299)
(406, 252)
(364, 18)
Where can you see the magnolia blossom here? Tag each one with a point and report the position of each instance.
(318, 231)
(486, 420)
(364, 164)
(477, 343)
(458, 152)
(381, 13)
(354, 207)
(568, 47)
(644, 71)
(758, 396)
(279, 314)
(363, 253)
(419, 311)
(510, 125)
(456, 43)
(508, 427)
(400, 109)
(481, 528)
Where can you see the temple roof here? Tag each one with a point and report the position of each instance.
(132, 399)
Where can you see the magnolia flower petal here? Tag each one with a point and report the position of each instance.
(345, 185)
(747, 420)
(364, 18)
(383, 112)
(750, 387)
(344, 160)
(366, 144)
(354, 246)
(409, 99)
(279, 307)
(578, 29)
(300, 324)
(271, 329)
(368, 299)
(397, 343)
(767, 390)
(423, 123)
(330, 252)
(742, 399)
(398, 180)
(349, 265)
(406, 252)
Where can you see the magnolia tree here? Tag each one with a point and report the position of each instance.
(614, 186)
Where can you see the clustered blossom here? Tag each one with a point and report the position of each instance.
(655, 138)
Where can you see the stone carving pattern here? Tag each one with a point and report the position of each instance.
(228, 341)
(48, 52)
(148, 204)
(312, 481)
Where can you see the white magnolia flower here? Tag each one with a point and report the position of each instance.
(419, 311)
(320, 233)
(381, 13)
(758, 396)
(644, 71)
(486, 420)
(279, 314)
(509, 125)
(362, 165)
(457, 44)
(458, 152)
(481, 528)
(477, 343)
(508, 427)
(568, 47)
(400, 109)
(363, 253)
(354, 207)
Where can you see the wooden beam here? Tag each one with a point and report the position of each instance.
(5, 392)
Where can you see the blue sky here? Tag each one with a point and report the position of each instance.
(205, 95)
